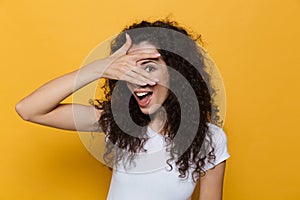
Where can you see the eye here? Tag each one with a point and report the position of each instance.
(149, 68)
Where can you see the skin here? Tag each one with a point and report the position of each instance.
(129, 63)
(158, 68)
(211, 185)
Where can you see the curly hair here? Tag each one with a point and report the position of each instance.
(180, 51)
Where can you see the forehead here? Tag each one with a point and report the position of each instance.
(143, 47)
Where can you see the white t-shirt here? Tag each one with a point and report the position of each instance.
(150, 178)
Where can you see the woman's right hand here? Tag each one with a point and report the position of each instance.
(122, 66)
(44, 105)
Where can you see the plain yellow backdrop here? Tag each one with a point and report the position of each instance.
(255, 44)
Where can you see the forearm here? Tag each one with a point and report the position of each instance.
(44, 106)
(48, 97)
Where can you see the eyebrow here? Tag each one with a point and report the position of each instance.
(147, 60)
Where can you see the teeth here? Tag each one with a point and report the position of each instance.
(139, 94)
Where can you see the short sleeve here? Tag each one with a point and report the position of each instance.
(219, 142)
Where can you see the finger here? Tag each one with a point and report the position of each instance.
(140, 78)
(129, 78)
(126, 46)
(141, 72)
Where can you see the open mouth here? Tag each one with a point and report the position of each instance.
(143, 98)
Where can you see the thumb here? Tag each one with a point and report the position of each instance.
(126, 46)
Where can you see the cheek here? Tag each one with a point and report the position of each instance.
(163, 77)
(163, 93)
(129, 86)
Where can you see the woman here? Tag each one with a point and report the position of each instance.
(158, 114)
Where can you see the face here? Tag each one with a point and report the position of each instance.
(150, 97)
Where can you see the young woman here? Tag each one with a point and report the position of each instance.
(159, 115)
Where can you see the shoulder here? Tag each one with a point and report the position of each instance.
(218, 136)
(216, 139)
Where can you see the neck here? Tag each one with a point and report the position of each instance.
(158, 121)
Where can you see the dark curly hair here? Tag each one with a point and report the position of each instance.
(180, 51)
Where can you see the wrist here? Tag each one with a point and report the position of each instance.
(95, 69)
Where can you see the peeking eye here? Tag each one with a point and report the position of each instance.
(149, 68)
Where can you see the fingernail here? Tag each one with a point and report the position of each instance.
(155, 79)
(152, 83)
(157, 54)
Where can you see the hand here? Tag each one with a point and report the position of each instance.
(122, 66)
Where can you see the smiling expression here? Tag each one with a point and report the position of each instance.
(150, 97)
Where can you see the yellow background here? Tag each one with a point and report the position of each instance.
(255, 44)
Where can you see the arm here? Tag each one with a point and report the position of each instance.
(211, 185)
(44, 105)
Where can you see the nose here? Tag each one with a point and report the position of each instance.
(132, 86)
(143, 86)
(140, 86)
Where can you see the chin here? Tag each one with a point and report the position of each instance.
(150, 110)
